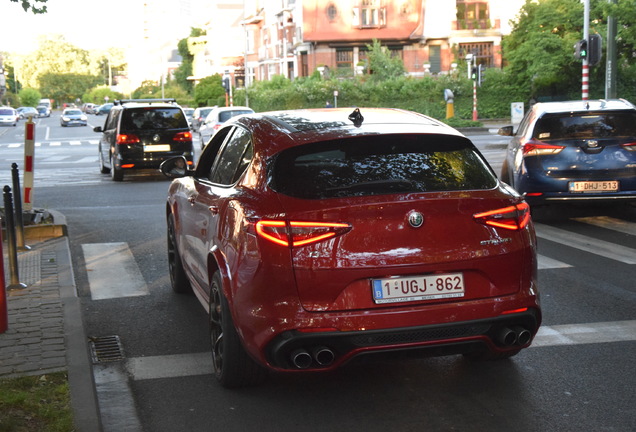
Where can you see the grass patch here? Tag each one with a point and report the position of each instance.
(36, 404)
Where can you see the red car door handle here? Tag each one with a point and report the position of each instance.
(214, 209)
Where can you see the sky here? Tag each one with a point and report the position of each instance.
(86, 24)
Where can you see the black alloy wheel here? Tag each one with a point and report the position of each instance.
(178, 279)
(233, 367)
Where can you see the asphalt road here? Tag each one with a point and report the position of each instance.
(578, 376)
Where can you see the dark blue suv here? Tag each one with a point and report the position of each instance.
(573, 151)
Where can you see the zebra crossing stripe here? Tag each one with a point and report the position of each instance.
(610, 223)
(598, 247)
(549, 263)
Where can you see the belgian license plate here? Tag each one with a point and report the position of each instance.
(157, 148)
(594, 186)
(417, 288)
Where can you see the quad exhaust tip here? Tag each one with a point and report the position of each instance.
(516, 335)
(321, 355)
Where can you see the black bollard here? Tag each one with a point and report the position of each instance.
(11, 242)
(17, 199)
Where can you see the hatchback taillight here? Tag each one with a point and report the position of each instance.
(514, 217)
(183, 136)
(299, 233)
(127, 139)
(539, 148)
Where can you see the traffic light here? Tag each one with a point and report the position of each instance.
(580, 50)
(476, 74)
(226, 83)
(473, 73)
(594, 49)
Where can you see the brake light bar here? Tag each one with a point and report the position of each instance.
(123, 139)
(629, 146)
(539, 148)
(514, 217)
(296, 233)
(183, 136)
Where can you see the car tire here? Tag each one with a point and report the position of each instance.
(117, 174)
(102, 168)
(505, 173)
(233, 367)
(178, 279)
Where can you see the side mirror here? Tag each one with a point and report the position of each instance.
(97, 129)
(506, 131)
(175, 167)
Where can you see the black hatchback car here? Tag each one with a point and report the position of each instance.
(574, 151)
(141, 134)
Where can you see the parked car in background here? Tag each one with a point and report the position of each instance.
(315, 236)
(104, 109)
(73, 117)
(216, 117)
(142, 133)
(88, 108)
(27, 112)
(8, 116)
(43, 111)
(576, 151)
(189, 112)
(199, 116)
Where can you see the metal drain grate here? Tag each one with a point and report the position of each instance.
(106, 349)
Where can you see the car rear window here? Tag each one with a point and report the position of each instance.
(153, 118)
(586, 125)
(382, 164)
(6, 112)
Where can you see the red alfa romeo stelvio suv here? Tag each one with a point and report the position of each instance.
(315, 236)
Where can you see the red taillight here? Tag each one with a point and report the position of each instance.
(299, 233)
(514, 217)
(183, 136)
(539, 148)
(629, 146)
(127, 139)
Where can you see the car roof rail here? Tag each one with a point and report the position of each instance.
(149, 101)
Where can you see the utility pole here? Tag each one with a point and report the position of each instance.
(610, 65)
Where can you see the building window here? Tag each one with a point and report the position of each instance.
(344, 58)
(332, 12)
(369, 14)
(482, 53)
(472, 14)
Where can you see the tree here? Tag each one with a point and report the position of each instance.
(209, 91)
(186, 67)
(29, 97)
(31, 5)
(101, 94)
(66, 87)
(382, 65)
(54, 55)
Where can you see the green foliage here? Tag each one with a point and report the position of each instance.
(66, 87)
(31, 5)
(98, 95)
(209, 91)
(382, 65)
(36, 404)
(29, 97)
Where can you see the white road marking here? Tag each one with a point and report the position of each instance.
(610, 223)
(576, 334)
(112, 271)
(75, 143)
(55, 143)
(587, 244)
(549, 263)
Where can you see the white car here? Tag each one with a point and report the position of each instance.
(8, 116)
(216, 118)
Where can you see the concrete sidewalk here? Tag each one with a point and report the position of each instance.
(46, 332)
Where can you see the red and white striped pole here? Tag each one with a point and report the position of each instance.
(29, 150)
(585, 81)
(475, 100)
